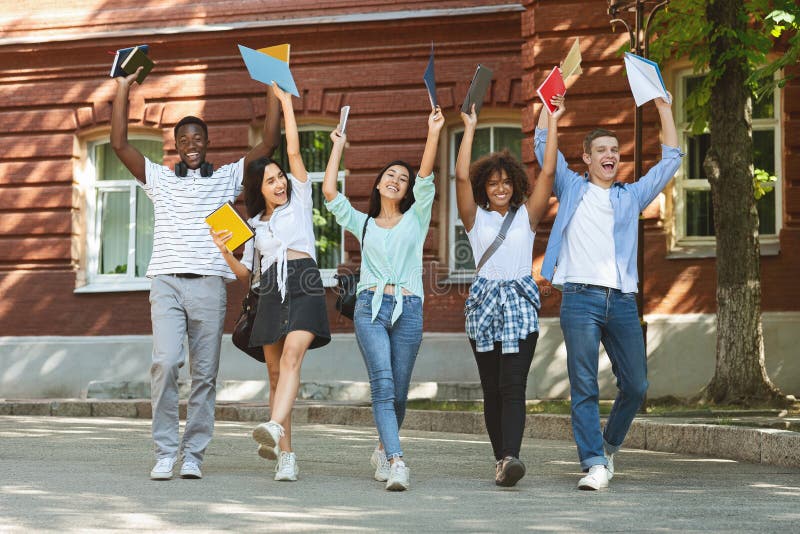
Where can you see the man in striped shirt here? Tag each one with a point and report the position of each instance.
(187, 295)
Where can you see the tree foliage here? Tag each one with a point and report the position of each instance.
(684, 31)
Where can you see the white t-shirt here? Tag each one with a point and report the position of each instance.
(181, 242)
(587, 255)
(512, 260)
(290, 227)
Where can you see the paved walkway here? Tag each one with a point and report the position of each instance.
(91, 474)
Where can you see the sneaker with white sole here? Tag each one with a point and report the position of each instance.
(399, 475)
(381, 464)
(268, 435)
(163, 469)
(286, 469)
(510, 472)
(595, 479)
(610, 458)
(190, 469)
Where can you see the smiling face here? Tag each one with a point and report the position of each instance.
(499, 190)
(393, 184)
(603, 161)
(191, 143)
(274, 187)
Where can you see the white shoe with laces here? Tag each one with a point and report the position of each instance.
(268, 435)
(286, 469)
(190, 469)
(595, 479)
(399, 475)
(163, 469)
(381, 464)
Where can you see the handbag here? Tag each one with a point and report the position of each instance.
(247, 317)
(347, 285)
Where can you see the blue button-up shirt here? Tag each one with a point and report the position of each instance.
(627, 200)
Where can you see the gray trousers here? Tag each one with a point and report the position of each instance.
(181, 307)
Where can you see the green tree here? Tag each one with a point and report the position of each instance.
(738, 44)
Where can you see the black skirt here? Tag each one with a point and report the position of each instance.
(303, 308)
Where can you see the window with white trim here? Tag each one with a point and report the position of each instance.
(694, 220)
(119, 219)
(488, 138)
(315, 149)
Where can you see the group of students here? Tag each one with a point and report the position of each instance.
(592, 242)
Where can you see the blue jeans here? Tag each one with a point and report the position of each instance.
(389, 351)
(591, 315)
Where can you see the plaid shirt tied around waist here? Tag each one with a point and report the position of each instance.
(502, 311)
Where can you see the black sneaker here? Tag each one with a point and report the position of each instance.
(513, 469)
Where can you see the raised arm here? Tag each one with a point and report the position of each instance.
(465, 199)
(668, 131)
(435, 123)
(296, 166)
(126, 152)
(331, 179)
(271, 133)
(540, 198)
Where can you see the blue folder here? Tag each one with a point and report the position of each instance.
(267, 69)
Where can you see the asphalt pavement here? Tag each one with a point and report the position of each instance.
(91, 474)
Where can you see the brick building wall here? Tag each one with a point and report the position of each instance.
(55, 93)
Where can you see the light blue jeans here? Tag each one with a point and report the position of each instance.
(591, 315)
(389, 352)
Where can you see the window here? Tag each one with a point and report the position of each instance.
(487, 139)
(119, 219)
(694, 219)
(315, 148)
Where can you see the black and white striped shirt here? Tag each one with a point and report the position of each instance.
(181, 242)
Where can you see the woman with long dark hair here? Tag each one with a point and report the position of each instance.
(388, 312)
(502, 309)
(292, 315)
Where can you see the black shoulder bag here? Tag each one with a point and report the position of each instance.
(247, 318)
(346, 285)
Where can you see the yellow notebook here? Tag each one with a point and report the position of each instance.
(226, 217)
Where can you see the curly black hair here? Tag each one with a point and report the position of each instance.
(253, 178)
(483, 169)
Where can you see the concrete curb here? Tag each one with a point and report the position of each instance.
(754, 445)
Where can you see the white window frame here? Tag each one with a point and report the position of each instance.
(327, 275)
(706, 245)
(453, 218)
(102, 283)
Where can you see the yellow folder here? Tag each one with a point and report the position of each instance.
(226, 217)
(280, 51)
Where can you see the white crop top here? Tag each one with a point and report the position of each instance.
(290, 227)
(513, 259)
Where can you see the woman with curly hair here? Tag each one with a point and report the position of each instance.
(503, 304)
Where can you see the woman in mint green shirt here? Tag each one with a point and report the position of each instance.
(388, 312)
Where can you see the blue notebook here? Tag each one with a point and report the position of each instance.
(267, 69)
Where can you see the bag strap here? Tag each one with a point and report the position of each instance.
(501, 236)
(255, 274)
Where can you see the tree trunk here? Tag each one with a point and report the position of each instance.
(740, 375)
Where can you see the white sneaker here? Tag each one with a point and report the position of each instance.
(267, 435)
(163, 469)
(595, 479)
(190, 469)
(381, 464)
(610, 466)
(286, 468)
(399, 475)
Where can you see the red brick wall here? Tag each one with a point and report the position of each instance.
(53, 92)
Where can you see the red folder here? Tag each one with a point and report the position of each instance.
(553, 85)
